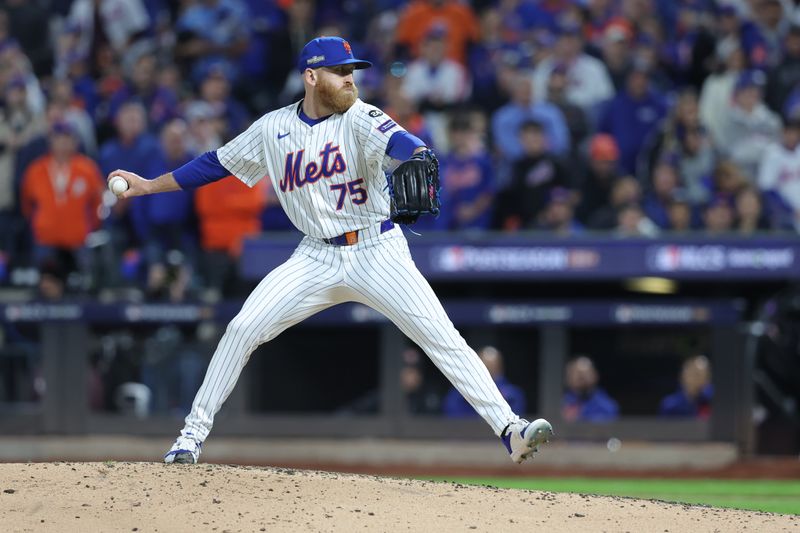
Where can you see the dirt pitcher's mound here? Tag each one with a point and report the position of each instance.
(171, 498)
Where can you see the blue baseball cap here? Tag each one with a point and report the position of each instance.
(750, 78)
(329, 52)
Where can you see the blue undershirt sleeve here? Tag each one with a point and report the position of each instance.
(402, 145)
(201, 170)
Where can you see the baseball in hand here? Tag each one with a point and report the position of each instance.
(118, 185)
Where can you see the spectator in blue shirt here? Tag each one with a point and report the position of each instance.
(467, 178)
(134, 149)
(762, 36)
(164, 222)
(455, 406)
(693, 397)
(583, 399)
(160, 103)
(216, 90)
(632, 115)
(507, 120)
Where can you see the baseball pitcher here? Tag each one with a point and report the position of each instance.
(326, 156)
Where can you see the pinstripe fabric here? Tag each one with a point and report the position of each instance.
(359, 137)
(377, 272)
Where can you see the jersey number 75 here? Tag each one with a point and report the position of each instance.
(358, 194)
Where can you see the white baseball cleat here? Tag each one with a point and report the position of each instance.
(522, 438)
(186, 450)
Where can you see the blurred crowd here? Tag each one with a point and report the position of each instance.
(629, 116)
(583, 398)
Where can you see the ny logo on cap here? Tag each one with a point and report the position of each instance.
(347, 47)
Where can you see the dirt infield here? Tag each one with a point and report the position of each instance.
(145, 497)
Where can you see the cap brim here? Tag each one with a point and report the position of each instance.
(358, 63)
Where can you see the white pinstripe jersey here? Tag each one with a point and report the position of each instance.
(328, 177)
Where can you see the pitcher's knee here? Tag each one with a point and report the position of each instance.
(242, 328)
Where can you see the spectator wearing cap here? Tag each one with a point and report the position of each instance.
(213, 32)
(165, 222)
(60, 196)
(458, 19)
(160, 103)
(785, 76)
(216, 90)
(467, 176)
(589, 82)
(750, 126)
(762, 36)
(522, 107)
(718, 215)
(717, 91)
(25, 25)
(532, 177)
(205, 127)
(632, 115)
(65, 105)
(132, 147)
(598, 177)
(779, 173)
(17, 68)
(74, 66)
(19, 126)
(558, 215)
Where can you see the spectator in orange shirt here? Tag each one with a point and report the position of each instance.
(60, 197)
(228, 211)
(458, 19)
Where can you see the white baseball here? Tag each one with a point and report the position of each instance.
(118, 185)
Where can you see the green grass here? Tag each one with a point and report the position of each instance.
(776, 496)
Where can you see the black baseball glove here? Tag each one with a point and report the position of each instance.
(414, 188)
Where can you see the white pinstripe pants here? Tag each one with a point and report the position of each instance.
(377, 272)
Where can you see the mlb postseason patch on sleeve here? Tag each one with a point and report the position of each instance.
(386, 126)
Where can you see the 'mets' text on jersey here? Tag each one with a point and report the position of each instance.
(329, 177)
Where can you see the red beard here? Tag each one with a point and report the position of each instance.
(338, 100)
